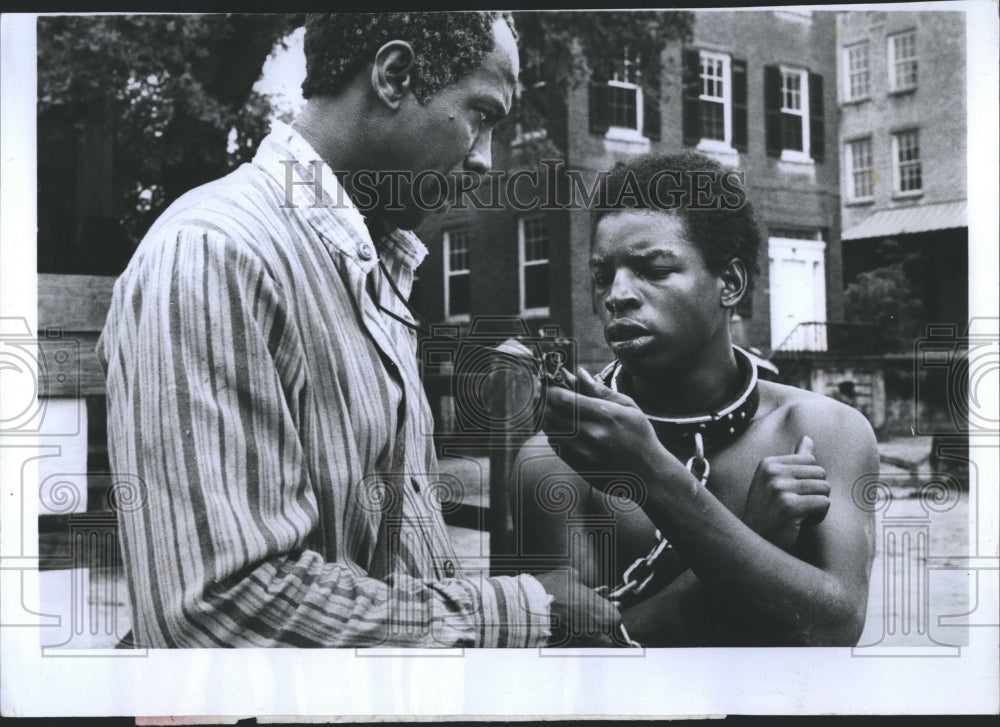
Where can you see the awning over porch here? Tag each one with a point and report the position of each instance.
(908, 220)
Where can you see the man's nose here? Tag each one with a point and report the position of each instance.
(622, 295)
(480, 158)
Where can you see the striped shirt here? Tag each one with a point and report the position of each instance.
(275, 422)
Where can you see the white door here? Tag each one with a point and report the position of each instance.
(798, 293)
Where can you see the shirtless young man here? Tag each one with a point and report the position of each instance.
(770, 549)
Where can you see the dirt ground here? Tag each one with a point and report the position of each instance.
(920, 588)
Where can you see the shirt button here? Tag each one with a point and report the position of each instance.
(449, 569)
(365, 251)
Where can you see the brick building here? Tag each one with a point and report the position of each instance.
(903, 144)
(756, 90)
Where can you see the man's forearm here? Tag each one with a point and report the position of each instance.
(306, 602)
(688, 614)
(749, 577)
(682, 614)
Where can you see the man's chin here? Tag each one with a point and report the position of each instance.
(641, 361)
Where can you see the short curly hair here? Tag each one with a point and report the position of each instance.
(448, 45)
(663, 182)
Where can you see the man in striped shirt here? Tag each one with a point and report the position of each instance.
(264, 390)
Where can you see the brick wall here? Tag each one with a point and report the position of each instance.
(936, 106)
(803, 196)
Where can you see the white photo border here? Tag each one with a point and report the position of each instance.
(494, 683)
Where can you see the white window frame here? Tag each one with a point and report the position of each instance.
(520, 135)
(449, 273)
(897, 176)
(849, 146)
(847, 88)
(523, 263)
(724, 145)
(622, 78)
(894, 83)
(795, 155)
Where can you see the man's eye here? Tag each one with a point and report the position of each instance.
(657, 273)
(601, 279)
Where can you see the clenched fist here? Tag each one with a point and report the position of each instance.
(788, 492)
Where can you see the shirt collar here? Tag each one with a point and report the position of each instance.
(333, 215)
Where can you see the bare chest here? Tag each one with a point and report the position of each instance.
(733, 468)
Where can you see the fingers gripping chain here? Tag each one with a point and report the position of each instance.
(552, 369)
(639, 575)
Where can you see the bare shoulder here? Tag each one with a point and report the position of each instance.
(821, 417)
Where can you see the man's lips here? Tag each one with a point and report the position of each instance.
(623, 329)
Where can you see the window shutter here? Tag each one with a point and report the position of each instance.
(692, 90)
(599, 108)
(557, 122)
(738, 70)
(772, 110)
(651, 116)
(817, 128)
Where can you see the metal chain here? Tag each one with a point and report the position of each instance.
(639, 575)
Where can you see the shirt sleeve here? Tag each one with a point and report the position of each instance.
(205, 374)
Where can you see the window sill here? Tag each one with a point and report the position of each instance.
(792, 156)
(529, 137)
(855, 101)
(859, 202)
(902, 91)
(916, 194)
(622, 133)
(717, 146)
(720, 151)
(625, 141)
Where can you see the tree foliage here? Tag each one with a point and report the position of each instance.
(175, 92)
(571, 45)
(563, 49)
(885, 296)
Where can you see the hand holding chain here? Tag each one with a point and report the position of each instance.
(639, 575)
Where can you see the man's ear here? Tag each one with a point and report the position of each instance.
(735, 282)
(392, 71)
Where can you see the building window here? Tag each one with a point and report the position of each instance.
(619, 107)
(903, 61)
(715, 102)
(533, 256)
(794, 123)
(715, 97)
(907, 173)
(531, 102)
(794, 130)
(857, 78)
(623, 106)
(625, 95)
(457, 292)
(860, 172)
